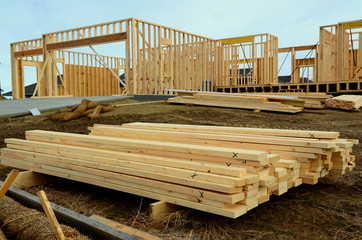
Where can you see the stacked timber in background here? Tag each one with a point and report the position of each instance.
(267, 103)
(221, 170)
(311, 100)
(318, 97)
(346, 102)
(277, 102)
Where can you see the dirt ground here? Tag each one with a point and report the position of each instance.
(331, 209)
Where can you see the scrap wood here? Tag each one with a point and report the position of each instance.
(346, 102)
(96, 113)
(86, 108)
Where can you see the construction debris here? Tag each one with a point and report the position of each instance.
(268, 103)
(222, 170)
(88, 108)
(346, 102)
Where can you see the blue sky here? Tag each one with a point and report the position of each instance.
(294, 22)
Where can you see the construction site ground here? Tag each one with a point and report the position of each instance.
(330, 209)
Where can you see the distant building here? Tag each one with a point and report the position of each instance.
(284, 79)
(287, 79)
(28, 91)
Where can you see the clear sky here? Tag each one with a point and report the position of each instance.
(295, 22)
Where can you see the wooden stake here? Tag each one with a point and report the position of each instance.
(8, 182)
(51, 216)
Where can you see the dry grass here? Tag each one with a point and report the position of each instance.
(2, 235)
(20, 222)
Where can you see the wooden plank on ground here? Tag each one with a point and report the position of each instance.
(346, 102)
(268, 106)
(124, 228)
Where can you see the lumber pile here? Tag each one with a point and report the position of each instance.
(267, 103)
(311, 100)
(222, 170)
(319, 97)
(346, 102)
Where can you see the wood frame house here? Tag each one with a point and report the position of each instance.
(159, 58)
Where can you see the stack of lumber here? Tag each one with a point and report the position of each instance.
(222, 170)
(321, 97)
(267, 103)
(346, 102)
(311, 100)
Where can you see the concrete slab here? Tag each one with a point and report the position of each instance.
(19, 107)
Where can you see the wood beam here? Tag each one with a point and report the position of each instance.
(87, 41)
(28, 53)
(124, 228)
(305, 62)
(298, 48)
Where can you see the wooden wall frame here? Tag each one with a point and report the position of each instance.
(301, 65)
(159, 58)
(340, 50)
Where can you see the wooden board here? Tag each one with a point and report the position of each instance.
(118, 143)
(169, 162)
(232, 211)
(124, 228)
(236, 130)
(346, 102)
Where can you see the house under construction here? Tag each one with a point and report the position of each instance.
(158, 59)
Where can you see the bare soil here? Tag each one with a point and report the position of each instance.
(331, 209)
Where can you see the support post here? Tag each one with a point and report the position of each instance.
(8, 182)
(134, 58)
(13, 72)
(128, 58)
(46, 76)
(340, 52)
